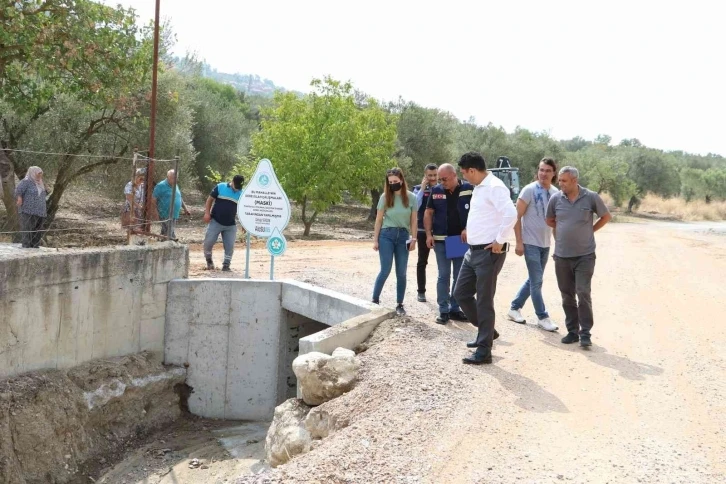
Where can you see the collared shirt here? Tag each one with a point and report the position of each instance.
(224, 209)
(492, 214)
(574, 233)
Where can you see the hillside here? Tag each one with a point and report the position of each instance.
(248, 83)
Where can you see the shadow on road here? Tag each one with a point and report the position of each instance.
(632, 370)
(530, 396)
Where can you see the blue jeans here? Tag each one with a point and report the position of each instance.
(536, 260)
(392, 245)
(445, 298)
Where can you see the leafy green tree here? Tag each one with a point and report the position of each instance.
(714, 180)
(692, 183)
(603, 170)
(653, 171)
(424, 136)
(73, 127)
(324, 144)
(79, 48)
(222, 128)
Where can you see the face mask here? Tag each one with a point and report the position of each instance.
(394, 186)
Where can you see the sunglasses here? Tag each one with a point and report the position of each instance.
(393, 171)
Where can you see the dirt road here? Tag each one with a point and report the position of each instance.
(646, 404)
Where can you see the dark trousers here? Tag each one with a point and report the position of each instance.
(423, 259)
(32, 226)
(478, 276)
(574, 275)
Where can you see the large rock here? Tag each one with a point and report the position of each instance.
(321, 423)
(321, 377)
(287, 436)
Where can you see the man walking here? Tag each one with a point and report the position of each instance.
(162, 198)
(422, 192)
(533, 241)
(491, 219)
(446, 215)
(570, 213)
(222, 219)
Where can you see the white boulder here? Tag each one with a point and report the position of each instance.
(322, 377)
(287, 435)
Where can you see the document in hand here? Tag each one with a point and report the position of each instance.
(455, 248)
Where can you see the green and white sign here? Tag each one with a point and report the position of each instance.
(264, 206)
(276, 244)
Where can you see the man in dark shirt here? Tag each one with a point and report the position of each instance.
(571, 213)
(446, 213)
(221, 214)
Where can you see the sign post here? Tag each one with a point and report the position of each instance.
(264, 211)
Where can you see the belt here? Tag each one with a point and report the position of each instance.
(481, 247)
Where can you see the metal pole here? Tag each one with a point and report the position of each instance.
(272, 267)
(152, 134)
(133, 197)
(170, 223)
(247, 257)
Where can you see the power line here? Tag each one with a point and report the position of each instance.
(78, 155)
(80, 229)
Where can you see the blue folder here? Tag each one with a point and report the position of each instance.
(455, 248)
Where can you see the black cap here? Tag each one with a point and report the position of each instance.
(238, 181)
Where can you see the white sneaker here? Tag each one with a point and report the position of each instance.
(547, 324)
(516, 316)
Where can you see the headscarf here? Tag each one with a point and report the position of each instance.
(32, 175)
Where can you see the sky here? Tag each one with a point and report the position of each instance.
(629, 69)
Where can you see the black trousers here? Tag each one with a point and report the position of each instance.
(478, 276)
(423, 259)
(574, 276)
(32, 226)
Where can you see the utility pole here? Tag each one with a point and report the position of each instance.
(152, 134)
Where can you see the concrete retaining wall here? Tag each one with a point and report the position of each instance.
(238, 338)
(63, 308)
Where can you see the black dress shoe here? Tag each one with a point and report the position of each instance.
(477, 358)
(472, 343)
(443, 318)
(570, 338)
(458, 316)
(585, 340)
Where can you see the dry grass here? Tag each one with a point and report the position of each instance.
(678, 209)
(609, 203)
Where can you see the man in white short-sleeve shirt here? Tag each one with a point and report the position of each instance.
(491, 219)
(533, 242)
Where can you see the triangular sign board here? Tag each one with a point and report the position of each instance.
(263, 206)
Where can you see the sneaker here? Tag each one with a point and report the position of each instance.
(400, 311)
(570, 338)
(547, 324)
(225, 268)
(376, 301)
(443, 318)
(585, 340)
(210, 265)
(421, 297)
(516, 316)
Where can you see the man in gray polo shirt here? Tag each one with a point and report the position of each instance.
(571, 212)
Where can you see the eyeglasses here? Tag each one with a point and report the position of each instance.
(444, 179)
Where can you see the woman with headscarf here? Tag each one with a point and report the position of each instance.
(30, 197)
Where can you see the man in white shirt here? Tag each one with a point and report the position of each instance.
(491, 219)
